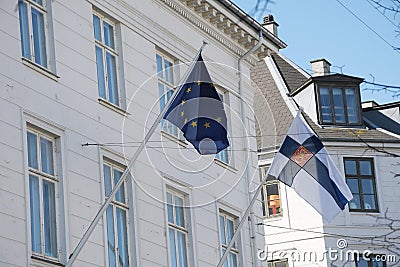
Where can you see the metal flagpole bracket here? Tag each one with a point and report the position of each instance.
(125, 174)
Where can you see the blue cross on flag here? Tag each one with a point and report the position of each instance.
(199, 112)
(304, 164)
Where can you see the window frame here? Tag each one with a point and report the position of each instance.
(42, 177)
(49, 65)
(272, 263)
(236, 248)
(115, 204)
(342, 87)
(263, 170)
(114, 52)
(176, 227)
(166, 126)
(359, 178)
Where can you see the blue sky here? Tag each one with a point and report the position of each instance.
(325, 29)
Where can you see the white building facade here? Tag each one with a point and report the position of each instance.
(82, 82)
(365, 148)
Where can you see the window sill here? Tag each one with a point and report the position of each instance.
(364, 212)
(225, 165)
(173, 138)
(113, 107)
(273, 218)
(47, 261)
(40, 69)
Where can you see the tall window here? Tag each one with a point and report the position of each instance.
(42, 193)
(227, 230)
(106, 58)
(116, 214)
(361, 181)
(33, 29)
(177, 230)
(222, 155)
(371, 261)
(339, 106)
(165, 87)
(278, 263)
(270, 196)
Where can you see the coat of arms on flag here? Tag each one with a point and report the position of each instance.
(304, 164)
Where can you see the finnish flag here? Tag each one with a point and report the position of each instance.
(304, 164)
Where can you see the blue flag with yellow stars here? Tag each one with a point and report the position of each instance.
(199, 112)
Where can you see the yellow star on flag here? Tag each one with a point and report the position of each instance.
(207, 125)
(219, 119)
(198, 82)
(183, 102)
(194, 123)
(182, 113)
(185, 120)
(188, 90)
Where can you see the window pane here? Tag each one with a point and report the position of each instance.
(229, 230)
(32, 151)
(122, 238)
(39, 41)
(108, 34)
(107, 179)
(170, 208)
(355, 203)
(159, 66)
(97, 28)
(120, 195)
(162, 96)
(281, 264)
(350, 167)
(338, 105)
(24, 29)
(169, 77)
(352, 109)
(110, 236)
(112, 79)
(182, 249)
(226, 261)
(172, 247)
(362, 262)
(39, 2)
(326, 111)
(222, 229)
(100, 73)
(353, 185)
(46, 153)
(369, 202)
(49, 219)
(232, 260)
(367, 186)
(179, 212)
(365, 167)
(273, 199)
(35, 213)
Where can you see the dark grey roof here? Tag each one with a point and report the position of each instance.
(376, 119)
(291, 76)
(273, 116)
(350, 134)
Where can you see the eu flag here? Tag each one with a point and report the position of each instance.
(199, 112)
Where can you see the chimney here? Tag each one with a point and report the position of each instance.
(320, 67)
(270, 25)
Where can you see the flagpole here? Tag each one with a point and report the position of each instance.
(125, 175)
(242, 221)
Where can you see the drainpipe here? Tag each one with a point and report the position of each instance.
(252, 221)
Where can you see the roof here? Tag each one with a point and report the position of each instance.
(292, 77)
(282, 117)
(376, 119)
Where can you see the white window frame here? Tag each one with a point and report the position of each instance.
(177, 228)
(113, 51)
(54, 179)
(114, 205)
(48, 45)
(235, 250)
(223, 155)
(264, 194)
(166, 126)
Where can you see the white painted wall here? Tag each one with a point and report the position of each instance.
(68, 106)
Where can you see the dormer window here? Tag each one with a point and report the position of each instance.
(338, 105)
